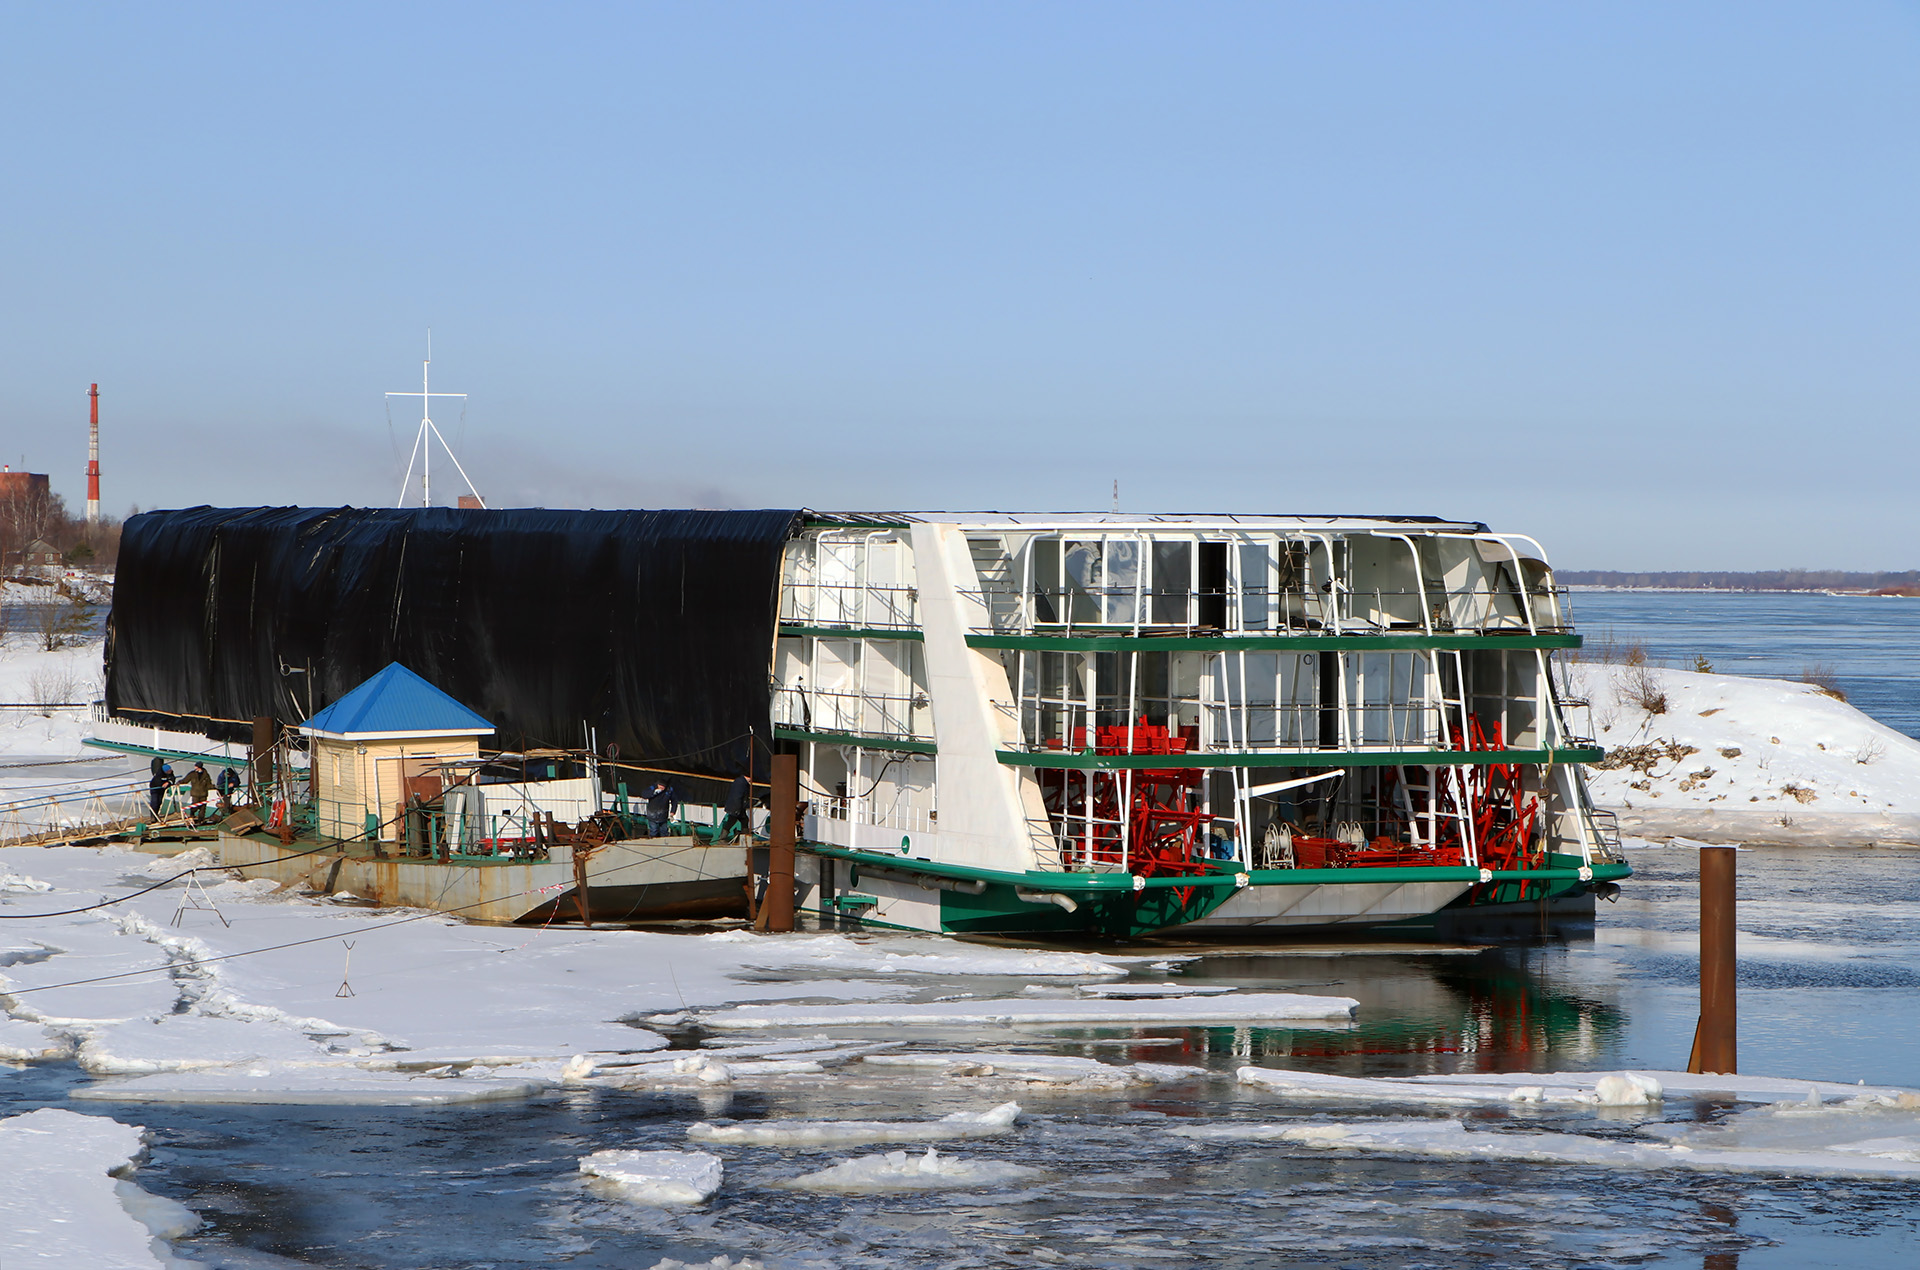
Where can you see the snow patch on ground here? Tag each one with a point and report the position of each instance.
(814, 1134)
(657, 1177)
(900, 1171)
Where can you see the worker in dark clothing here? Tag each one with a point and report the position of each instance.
(199, 785)
(160, 776)
(661, 798)
(228, 783)
(739, 815)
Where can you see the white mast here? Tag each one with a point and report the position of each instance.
(428, 434)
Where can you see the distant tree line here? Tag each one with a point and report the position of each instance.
(27, 515)
(1775, 580)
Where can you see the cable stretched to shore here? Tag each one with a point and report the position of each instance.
(229, 868)
(362, 836)
(297, 943)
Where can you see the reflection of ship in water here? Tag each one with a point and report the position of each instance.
(1491, 1010)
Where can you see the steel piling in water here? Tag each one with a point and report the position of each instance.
(1716, 1037)
(781, 833)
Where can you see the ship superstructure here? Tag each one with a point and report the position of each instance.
(1123, 723)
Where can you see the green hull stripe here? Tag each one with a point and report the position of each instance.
(1300, 758)
(1265, 643)
(864, 742)
(1034, 879)
(851, 632)
(1123, 883)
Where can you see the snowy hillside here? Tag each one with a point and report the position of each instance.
(1725, 758)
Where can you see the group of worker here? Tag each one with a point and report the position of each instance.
(206, 796)
(661, 799)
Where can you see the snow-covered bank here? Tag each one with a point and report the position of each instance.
(1725, 758)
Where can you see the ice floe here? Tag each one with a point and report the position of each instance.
(60, 1206)
(1884, 1126)
(318, 1086)
(1146, 991)
(1248, 1007)
(1451, 1139)
(1042, 1069)
(837, 952)
(1618, 1089)
(902, 1171)
(806, 1134)
(657, 1177)
(187, 1042)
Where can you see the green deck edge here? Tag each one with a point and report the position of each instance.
(185, 756)
(853, 632)
(847, 738)
(1299, 758)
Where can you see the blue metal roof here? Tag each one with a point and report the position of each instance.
(396, 700)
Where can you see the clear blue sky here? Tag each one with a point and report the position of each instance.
(1638, 279)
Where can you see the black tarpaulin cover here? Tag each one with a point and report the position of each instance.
(653, 627)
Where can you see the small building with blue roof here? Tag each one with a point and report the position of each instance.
(387, 739)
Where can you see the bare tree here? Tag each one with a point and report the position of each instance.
(52, 686)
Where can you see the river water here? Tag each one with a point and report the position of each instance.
(1870, 643)
(1830, 989)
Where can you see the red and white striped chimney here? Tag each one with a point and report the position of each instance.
(93, 460)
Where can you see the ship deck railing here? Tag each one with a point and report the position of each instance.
(853, 606)
(868, 715)
(1263, 611)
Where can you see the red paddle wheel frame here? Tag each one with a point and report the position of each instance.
(1165, 821)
